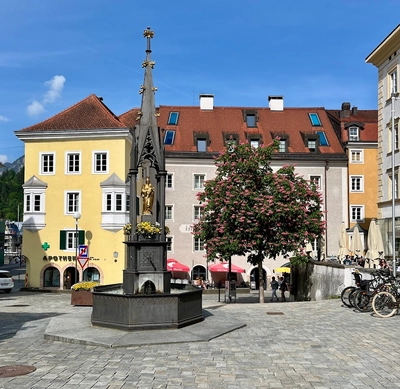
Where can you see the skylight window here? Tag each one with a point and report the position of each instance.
(169, 137)
(315, 119)
(323, 141)
(173, 118)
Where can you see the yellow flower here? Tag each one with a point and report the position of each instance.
(86, 285)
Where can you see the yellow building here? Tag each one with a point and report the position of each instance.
(78, 159)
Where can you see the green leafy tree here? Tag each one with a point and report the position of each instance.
(11, 194)
(248, 209)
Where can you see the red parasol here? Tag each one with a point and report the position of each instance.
(223, 267)
(174, 265)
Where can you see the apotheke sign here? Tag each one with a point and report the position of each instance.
(64, 258)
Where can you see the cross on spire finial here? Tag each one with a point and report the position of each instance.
(149, 35)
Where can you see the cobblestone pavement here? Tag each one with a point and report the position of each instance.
(284, 345)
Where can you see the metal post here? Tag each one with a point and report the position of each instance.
(77, 216)
(393, 188)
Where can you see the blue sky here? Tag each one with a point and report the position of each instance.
(55, 53)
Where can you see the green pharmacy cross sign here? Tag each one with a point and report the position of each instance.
(45, 246)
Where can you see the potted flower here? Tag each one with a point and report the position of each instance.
(81, 293)
(145, 230)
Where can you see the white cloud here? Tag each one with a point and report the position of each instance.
(35, 108)
(3, 158)
(55, 87)
(4, 119)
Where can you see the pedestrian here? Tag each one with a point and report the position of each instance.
(274, 287)
(283, 288)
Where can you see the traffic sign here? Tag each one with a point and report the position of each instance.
(83, 251)
(83, 262)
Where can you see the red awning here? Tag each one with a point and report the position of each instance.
(174, 265)
(223, 267)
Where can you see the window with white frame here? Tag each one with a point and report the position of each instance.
(282, 146)
(197, 212)
(356, 156)
(47, 163)
(72, 200)
(168, 212)
(396, 186)
(392, 84)
(354, 134)
(356, 183)
(73, 163)
(115, 200)
(198, 244)
(34, 202)
(316, 180)
(169, 243)
(69, 239)
(254, 142)
(312, 145)
(169, 183)
(199, 181)
(100, 161)
(357, 213)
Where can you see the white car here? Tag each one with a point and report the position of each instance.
(6, 281)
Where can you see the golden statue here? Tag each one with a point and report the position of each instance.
(148, 197)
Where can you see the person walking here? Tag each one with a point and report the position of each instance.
(283, 288)
(274, 287)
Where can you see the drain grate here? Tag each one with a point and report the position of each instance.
(275, 313)
(15, 370)
(18, 305)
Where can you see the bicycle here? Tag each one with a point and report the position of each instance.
(385, 304)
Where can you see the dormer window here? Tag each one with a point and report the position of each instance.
(173, 118)
(312, 145)
(283, 147)
(354, 134)
(314, 118)
(231, 139)
(250, 117)
(169, 137)
(201, 141)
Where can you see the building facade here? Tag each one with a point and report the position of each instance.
(386, 58)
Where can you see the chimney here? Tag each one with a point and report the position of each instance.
(345, 112)
(354, 111)
(275, 103)
(206, 102)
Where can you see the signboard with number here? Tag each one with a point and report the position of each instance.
(83, 251)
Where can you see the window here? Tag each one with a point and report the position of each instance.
(169, 181)
(47, 163)
(68, 239)
(33, 202)
(357, 213)
(251, 120)
(354, 134)
(312, 145)
(198, 244)
(173, 118)
(392, 82)
(231, 139)
(169, 243)
(73, 163)
(169, 137)
(282, 146)
(314, 118)
(100, 162)
(114, 200)
(396, 137)
(72, 202)
(201, 144)
(199, 181)
(254, 142)
(168, 212)
(323, 141)
(356, 156)
(198, 211)
(316, 180)
(356, 184)
(396, 186)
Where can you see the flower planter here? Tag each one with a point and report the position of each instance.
(81, 297)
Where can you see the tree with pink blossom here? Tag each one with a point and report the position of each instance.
(248, 209)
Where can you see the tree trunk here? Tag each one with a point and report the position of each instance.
(261, 282)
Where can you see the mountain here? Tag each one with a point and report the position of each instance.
(17, 165)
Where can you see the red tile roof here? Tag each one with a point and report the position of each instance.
(230, 120)
(90, 113)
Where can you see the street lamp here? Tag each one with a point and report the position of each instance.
(76, 216)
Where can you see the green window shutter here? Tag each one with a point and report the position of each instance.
(63, 240)
(81, 236)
